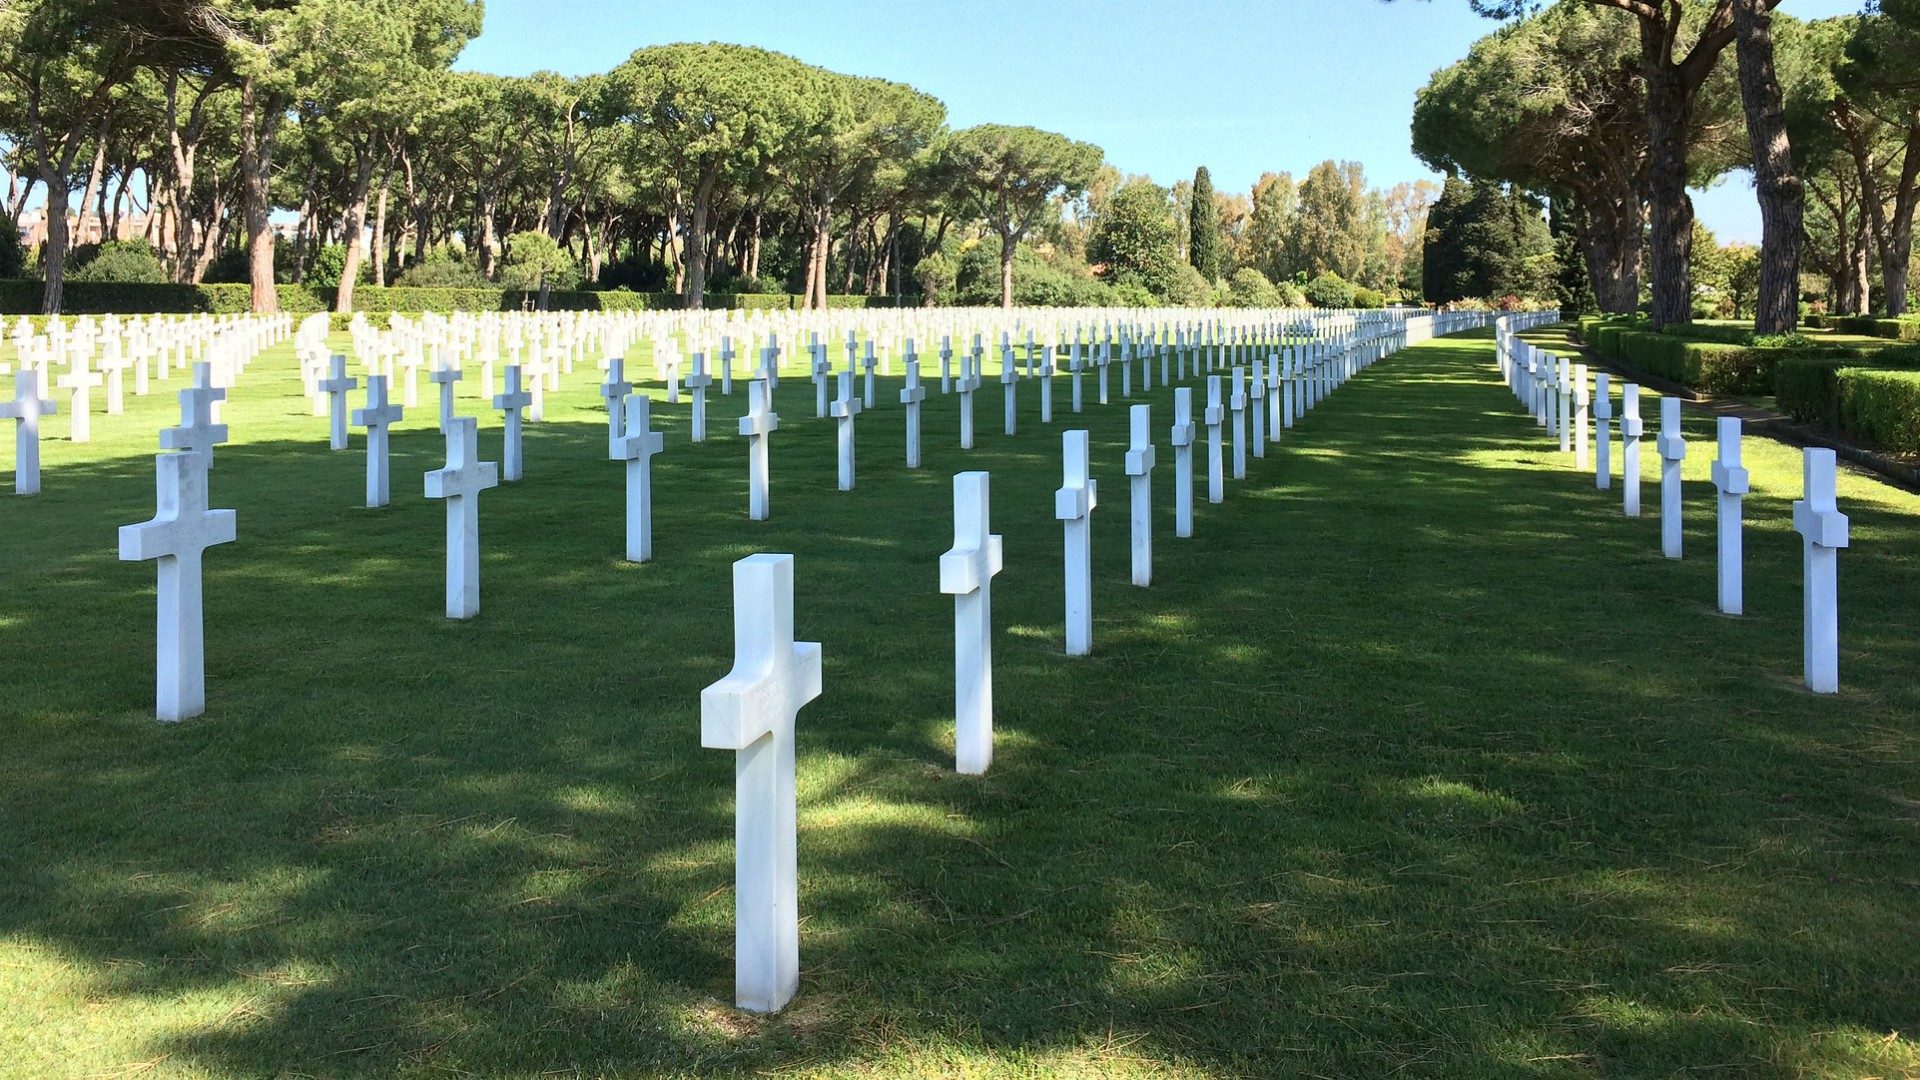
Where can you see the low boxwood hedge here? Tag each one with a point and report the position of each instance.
(1875, 401)
(1711, 367)
(1905, 328)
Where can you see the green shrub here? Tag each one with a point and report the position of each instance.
(120, 262)
(1249, 288)
(534, 259)
(441, 271)
(1881, 409)
(1368, 298)
(1329, 290)
(1809, 389)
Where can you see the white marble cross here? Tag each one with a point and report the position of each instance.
(614, 390)
(697, 384)
(867, 364)
(969, 382)
(1563, 402)
(1077, 367)
(1273, 398)
(1602, 431)
(1216, 464)
(1631, 428)
(460, 483)
(751, 711)
(911, 395)
(1582, 408)
(444, 378)
(1182, 438)
(757, 426)
(1008, 386)
(1823, 531)
(636, 445)
(511, 403)
(822, 374)
(1256, 410)
(180, 531)
(1730, 479)
(844, 410)
(1045, 374)
(25, 410)
(1672, 447)
(1289, 393)
(336, 386)
(966, 573)
(79, 382)
(1073, 505)
(378, 418)
(1140, 468)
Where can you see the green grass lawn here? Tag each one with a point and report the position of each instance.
(1417, 760)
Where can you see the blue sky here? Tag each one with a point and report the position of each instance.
(1239, 86)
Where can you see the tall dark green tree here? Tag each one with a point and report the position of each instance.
(1442, 269)
(1203, 219)
(1572, 283)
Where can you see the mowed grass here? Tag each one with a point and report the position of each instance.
(1418, 759)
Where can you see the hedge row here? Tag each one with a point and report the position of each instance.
(22, 297)
(1875, 402)
(1706, 366)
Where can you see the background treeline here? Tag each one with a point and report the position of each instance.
(254, 141)
(1607, 110)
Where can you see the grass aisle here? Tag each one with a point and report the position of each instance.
(1418, 758)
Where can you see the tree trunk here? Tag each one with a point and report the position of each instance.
(488, 235)
(1669, 112)
(1782, 200)
(1008, 243)
(822, 255)
(696, 285)
(259, 119)
(356, 224)
(380, 225)
(96, 177)
(54, 251)
(753, 247)
(1860, 275)
(1896, 257)
(209, 247)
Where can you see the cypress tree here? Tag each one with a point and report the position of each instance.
(1572, 286)
(1441, 264)
(1203, 219)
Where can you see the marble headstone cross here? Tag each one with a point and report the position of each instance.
(1631, 428)
(79, 382)
(751, 711)
(180, 531)
(1216, 465)
(966, 573)
(25, 410)
(511, 404)
(757, 426)
(1140, 469)
(1182, 439)
(614, 391)
(697, 384)
(336, 386)
(636, 444)
(911, 395)
(1672, 446)
(1073, 506)
(1730, 479)
(845, 409)
(460, 484)
(378, 418)
(1823, 531)
(1602, 431)
(444, 377)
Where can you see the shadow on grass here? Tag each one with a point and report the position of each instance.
(1417, 757)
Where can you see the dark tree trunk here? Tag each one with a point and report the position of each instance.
(259, 119)
(1782, 199)
(1611, 239)
(696, 286)
(1669, 111)
(1008, 243)
(54, 251)
(356, 223)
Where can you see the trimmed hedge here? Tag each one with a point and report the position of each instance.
(1876, 402)
(1901, 329)
(1709, 366)
(22, 297)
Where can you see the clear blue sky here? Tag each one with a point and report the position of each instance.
(1239, 86)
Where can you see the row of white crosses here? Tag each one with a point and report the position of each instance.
(92, 355)
(1556, 392)
(753, 709)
